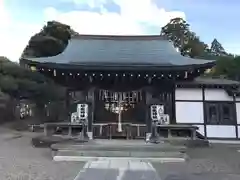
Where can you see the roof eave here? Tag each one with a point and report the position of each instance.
(117, 66)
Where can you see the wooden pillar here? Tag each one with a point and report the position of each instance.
(148, 96)
(194, 134)
(91, 100)
(47, 130)
(173, 104)
(70, 131)
(148, 115)
(67, 96)
(169, 133)
(235, 115)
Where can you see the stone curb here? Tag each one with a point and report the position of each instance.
(148, 159)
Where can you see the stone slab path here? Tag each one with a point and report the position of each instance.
(117, 170)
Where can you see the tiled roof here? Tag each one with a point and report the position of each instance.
(120, 50)
(211, 82)
(215, 81)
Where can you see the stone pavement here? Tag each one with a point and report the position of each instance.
(117, 170)
(219, 162)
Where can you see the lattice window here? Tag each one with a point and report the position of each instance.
(220, 113)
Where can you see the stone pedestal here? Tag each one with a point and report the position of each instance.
(90, 135)
(148, 136)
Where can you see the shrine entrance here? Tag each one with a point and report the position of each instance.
(119, 114)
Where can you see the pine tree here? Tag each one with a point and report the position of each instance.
(217, 48)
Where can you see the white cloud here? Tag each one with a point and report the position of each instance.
(14, 35)
(90, 3)
(146, 11)
(86, 22)
(4, 16)
(134, 16)
(15, 38)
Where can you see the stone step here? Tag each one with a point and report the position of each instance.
(94, 155)
(139, 154)
(117, 147)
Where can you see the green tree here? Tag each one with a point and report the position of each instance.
(178, 31)
(227, 66)
(50, 41)
(217, 48)
(7, 84)
(223, 66)
(19, 83)
(194, 47)
(235, 70)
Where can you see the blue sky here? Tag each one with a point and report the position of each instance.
(208, 18)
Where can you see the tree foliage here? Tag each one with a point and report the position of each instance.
(19, 83)
(178, 31)
(194, 47)
(228, 66)
(50, 41)
(22, 83)
(188, 43)
(217, 48)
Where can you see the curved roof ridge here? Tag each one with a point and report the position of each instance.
(119, 37)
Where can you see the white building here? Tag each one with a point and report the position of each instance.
(211, 104)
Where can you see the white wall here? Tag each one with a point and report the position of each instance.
(238, 131)
(219, 131)
(217, 95)
(188, 94)
(189, 112)
(192, 112)
(238, 112)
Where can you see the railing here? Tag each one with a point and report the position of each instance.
(133, 131)
(109, 130)
(178, 128)
(50, 128)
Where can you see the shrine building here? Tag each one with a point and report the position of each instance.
(120, 77)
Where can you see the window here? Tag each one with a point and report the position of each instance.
(212, 113)
(220, 113)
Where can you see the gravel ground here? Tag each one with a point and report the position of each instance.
(220, 162)
(20, 161)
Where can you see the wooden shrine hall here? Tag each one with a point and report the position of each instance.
(120, 78)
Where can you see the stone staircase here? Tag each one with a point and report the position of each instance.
(118, 149)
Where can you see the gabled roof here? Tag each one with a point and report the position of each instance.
(121, 51)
